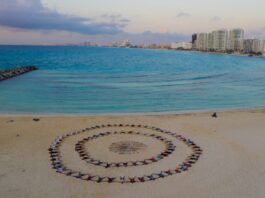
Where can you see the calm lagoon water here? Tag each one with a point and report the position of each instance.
(84, 80)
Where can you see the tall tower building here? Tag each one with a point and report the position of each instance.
(236, 37)
(253, 45)
(258, 46)
(220, 38)
(194, 38)
(201, 42)
(262, 46)
(210, 42)
(248, 45)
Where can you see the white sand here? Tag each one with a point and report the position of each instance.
(232, 164)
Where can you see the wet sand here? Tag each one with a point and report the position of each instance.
(232, 163)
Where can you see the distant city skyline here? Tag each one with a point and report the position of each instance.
(229, 41)
(150, 21)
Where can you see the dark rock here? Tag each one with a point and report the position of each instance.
(36, 119)
(10, 73)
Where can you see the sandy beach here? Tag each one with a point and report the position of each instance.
(231, 165)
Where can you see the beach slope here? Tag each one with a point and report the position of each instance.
(232, 163)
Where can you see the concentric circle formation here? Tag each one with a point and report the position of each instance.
(164, 152)
(124, 147)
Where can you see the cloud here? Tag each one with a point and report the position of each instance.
(115, 18)
(28, 21)
(183, 15)
(125, 20)
(32, 15)
(216, 18)
(111, 16)
(36, 37)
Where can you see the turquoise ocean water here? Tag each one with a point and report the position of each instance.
(84, 80)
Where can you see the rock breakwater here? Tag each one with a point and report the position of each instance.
(10, 73)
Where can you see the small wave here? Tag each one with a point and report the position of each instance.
(207, 77)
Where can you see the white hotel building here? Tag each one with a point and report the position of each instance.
(253, 45)
(217, 40)
(236, 36)
(201, 42)
(222, 40)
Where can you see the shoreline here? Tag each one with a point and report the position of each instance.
(202, 52)
(169, 113)
(231, 54)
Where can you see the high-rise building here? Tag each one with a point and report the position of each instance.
(262, 47)
(253, 45)
(235, 39)
(247, 45)
(220, 38)
(258, 46)
(194, 38)
(201, 42)
(210, 42)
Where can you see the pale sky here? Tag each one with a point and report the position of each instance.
(60, 21)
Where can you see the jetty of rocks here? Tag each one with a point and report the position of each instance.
(10, 73)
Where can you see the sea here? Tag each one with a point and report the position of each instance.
(96, 80)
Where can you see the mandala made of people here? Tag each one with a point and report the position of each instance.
(122, 153)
